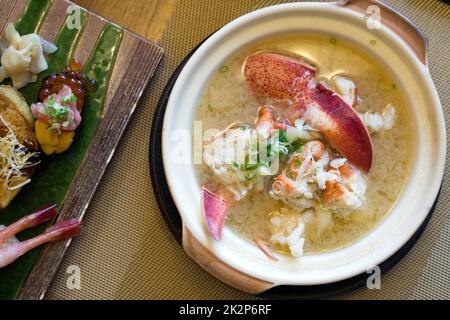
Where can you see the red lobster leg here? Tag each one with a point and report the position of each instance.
(215, 210)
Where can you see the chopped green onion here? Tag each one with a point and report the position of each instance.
(282, 136)
(333, 40)
(69, 99)
(249, 176)
(58, 112)
(51, 101)
(269, 150)
(250, 167)
(224, 69)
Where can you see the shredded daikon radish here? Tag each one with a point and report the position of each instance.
(14, 158)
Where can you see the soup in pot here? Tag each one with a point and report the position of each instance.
(311, 149)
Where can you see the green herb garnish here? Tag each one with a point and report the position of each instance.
(297, 145)
(58, 112)
(249, 176)
(250, 167)
(269, 150)
(224, 69)
(373, 42)
(333, 40)
(51, 101)
(210, 107)
(69, 99)
(282, 136)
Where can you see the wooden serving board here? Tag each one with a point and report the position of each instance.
(122, 63)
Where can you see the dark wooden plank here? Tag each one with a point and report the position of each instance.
(6, 10)
(141, 68)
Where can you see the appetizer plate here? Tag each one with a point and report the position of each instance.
(173, 219)
(402, 50)
(122, 63)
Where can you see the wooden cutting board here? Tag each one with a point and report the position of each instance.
(124, 63)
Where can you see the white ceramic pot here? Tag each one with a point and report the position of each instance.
(402, 51)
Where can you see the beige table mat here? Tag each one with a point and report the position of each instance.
(127, 252)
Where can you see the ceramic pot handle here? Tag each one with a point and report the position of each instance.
(412, 35)
(219, 269)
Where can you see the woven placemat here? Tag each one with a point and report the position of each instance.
(126, 250)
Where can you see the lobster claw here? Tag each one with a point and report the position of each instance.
(279, 77)
(342, 127)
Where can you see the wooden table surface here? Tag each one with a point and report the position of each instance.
(147, 18)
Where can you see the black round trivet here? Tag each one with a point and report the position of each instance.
(172, 217)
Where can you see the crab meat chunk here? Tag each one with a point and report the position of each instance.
(376, 122)
(288, 229)
(346, 88)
